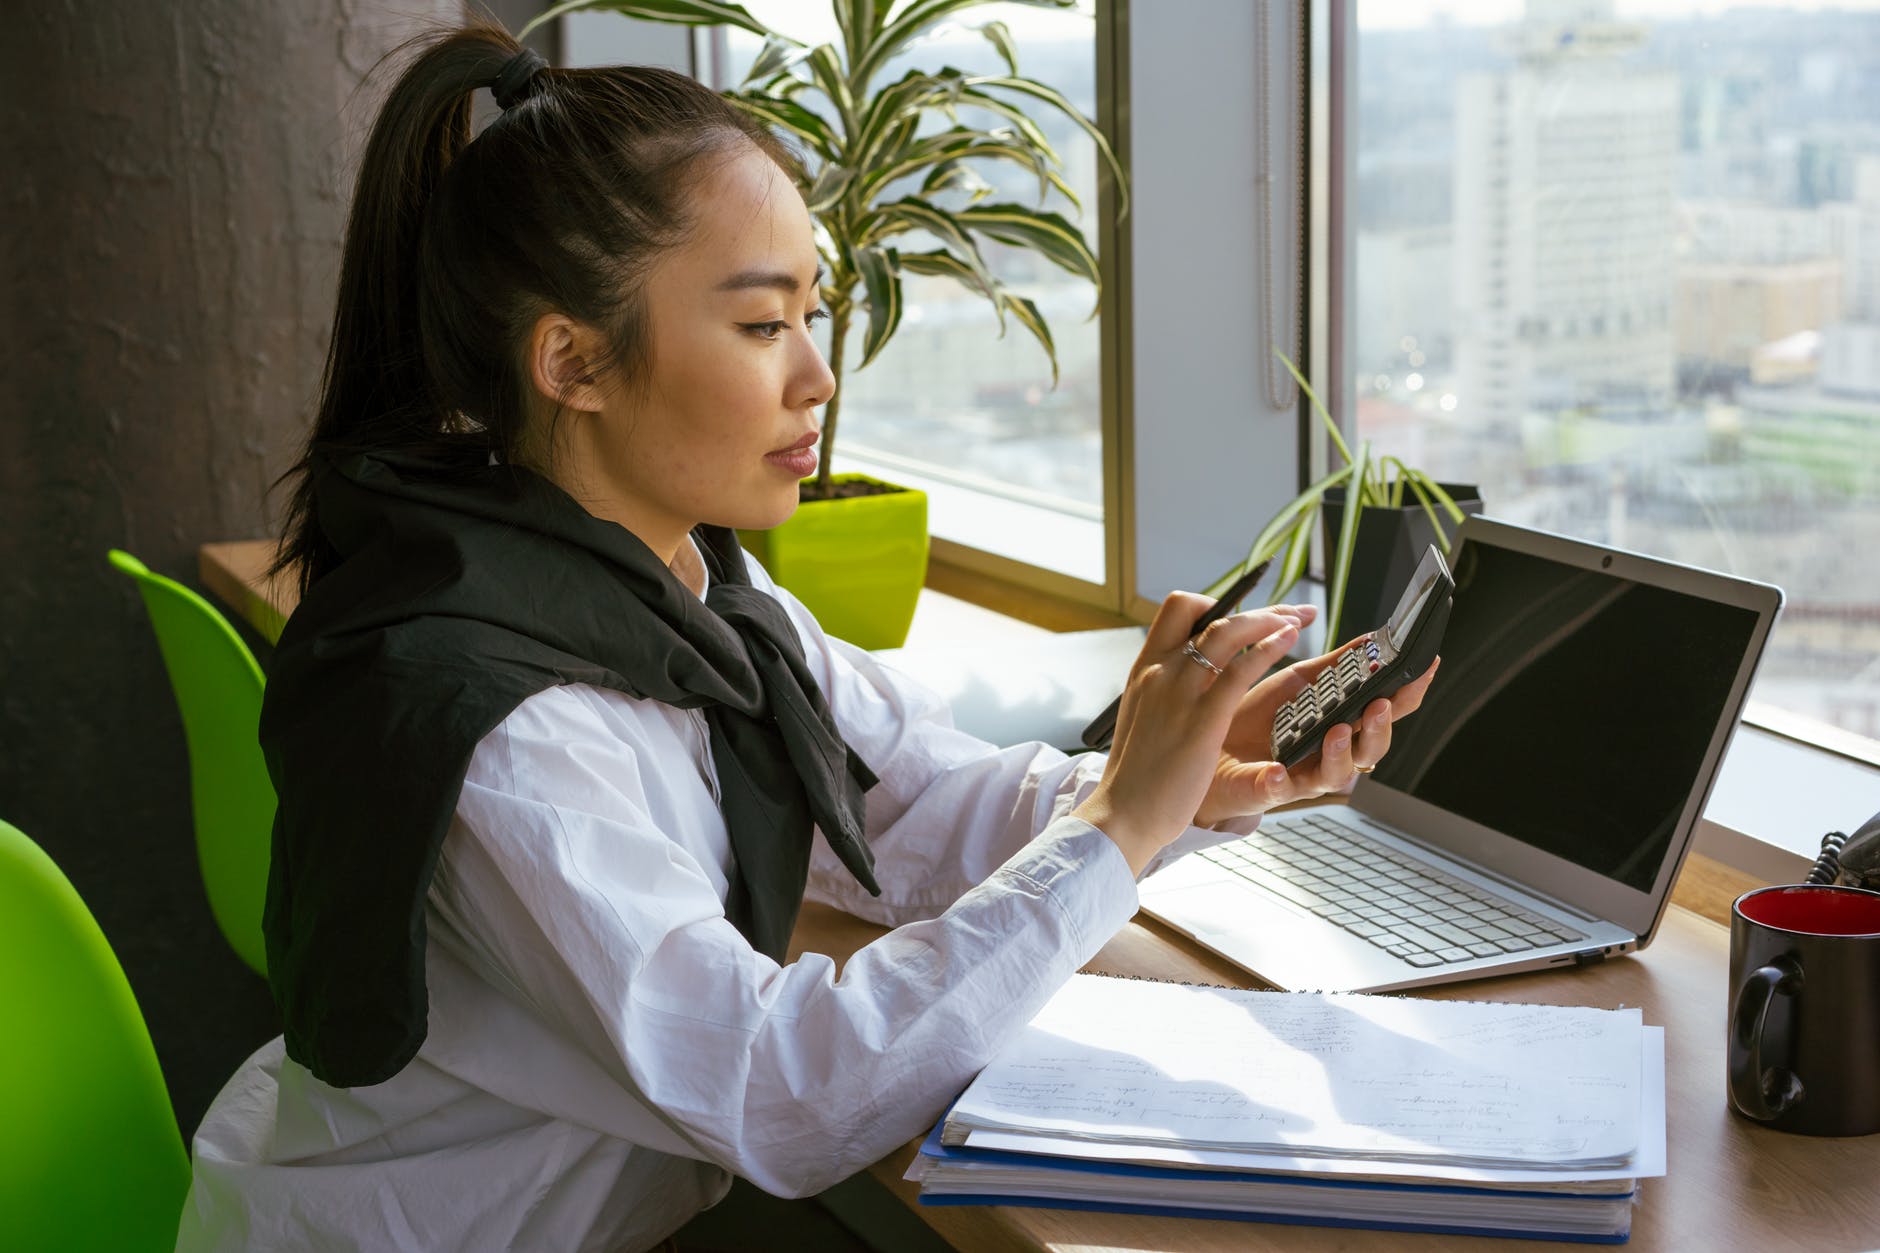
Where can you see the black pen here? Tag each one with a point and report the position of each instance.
(1102, 728)
(1231, 598)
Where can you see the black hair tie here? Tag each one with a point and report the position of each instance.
(511, 87)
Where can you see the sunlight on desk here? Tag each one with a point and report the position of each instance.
(1010, 682)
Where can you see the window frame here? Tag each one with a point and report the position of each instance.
(1220, 460)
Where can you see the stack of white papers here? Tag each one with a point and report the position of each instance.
(1361, 1110)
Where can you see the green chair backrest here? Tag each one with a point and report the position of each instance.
(90, 1154)
(218, 691)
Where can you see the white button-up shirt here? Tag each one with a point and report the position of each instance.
(604, 1048)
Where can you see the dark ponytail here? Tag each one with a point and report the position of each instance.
(455, 247)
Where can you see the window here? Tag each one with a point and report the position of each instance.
(1618, 262)
(1011, 465)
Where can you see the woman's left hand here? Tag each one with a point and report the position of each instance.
(1248, 780)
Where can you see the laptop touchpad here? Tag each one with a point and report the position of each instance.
(1265, 935)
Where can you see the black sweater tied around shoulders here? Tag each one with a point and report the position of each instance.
(460, 591)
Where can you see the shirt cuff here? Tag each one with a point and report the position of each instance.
(1194, 839)
(1084, 874)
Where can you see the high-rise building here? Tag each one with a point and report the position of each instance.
(1862, 245)
(1564, 221)
(1728, 311)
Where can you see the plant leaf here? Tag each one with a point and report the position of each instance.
(1057, 100)
(1318, 406)
(1298, 552)
(783, 86)
(1021, 121)
(919, 90)
(1028, 317)
(958, 144)
(827, 188)
(1267, 542)
(788, 115)
(1442, 537)
(860, 22)
(956, 176)
(1443, 498)
(1307, 502)
(1064, 190)
(1426, 489)
(899, 138)
(825, 70)
(675, 12)
(919, 17)
(877, 268)
(779, 54)
(893, 106)
(945, 264)
(1001, 38)
(911, 213)
(1394, 484)
(1377, 485)
(1339, 570)
(1049, 234)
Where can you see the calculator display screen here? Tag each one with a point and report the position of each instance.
(1573, 710)
(1428, 571)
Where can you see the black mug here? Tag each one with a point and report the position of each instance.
(1805, 1009)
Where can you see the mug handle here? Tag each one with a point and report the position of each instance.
(1762, 1093)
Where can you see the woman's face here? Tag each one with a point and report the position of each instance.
(725, 425)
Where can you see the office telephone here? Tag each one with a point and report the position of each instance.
(1850, 860)
(1374, 666)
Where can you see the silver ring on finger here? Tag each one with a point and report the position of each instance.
(1200, 659)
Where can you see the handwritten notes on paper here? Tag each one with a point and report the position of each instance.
(1125, 1062)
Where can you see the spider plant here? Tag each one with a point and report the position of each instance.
(892, 159)
(1368, 480)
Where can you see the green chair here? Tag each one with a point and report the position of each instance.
(91, 1157)
(218, 691)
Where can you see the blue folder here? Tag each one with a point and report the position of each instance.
(932, 1148)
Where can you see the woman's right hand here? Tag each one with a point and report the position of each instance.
(1175, 713)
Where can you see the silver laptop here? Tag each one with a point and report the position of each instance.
(1534, 812)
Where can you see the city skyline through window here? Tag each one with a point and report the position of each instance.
(1619, 264)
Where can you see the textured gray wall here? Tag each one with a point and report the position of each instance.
(170, 217)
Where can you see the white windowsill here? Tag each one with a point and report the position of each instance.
(1776, 797)
(942, 621)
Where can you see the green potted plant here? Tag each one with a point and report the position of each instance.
(885, 160)
(1400, 511)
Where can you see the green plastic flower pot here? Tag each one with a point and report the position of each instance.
(857, 562)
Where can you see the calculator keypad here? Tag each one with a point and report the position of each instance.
(1301, 715)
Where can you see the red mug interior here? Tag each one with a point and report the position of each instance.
(1814, 910)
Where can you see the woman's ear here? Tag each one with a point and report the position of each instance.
(560, 352)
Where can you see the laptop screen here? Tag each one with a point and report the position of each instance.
(1573, 710)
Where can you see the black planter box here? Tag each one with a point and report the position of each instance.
(1389, 544)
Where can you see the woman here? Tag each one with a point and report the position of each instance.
(556, 766)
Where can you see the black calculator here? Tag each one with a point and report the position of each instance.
(1375, 666)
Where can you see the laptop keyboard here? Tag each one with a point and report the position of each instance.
(1402, 905)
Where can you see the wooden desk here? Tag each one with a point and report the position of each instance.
(237, 572)
(1732, 1184)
